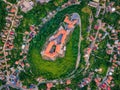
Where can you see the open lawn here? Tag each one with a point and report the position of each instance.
(86, 10)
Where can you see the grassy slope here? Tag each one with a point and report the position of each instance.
(58, 67)
(62, 66)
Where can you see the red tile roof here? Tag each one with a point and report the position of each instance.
(58, 46)
(49, 85)
(108, 88)
(68, 82)
(96, 27)
(12, 10)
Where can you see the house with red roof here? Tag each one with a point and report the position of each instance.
(49, 85)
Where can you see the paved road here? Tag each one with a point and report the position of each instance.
(77, 16)
(9, 30)
(79, 45)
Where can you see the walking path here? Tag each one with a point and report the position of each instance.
(79, 44)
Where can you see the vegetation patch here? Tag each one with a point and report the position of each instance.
(86, 10)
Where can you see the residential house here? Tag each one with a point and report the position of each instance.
(26, 6)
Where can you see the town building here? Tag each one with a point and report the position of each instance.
(55, 47)
(26, 6)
